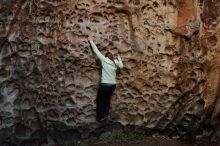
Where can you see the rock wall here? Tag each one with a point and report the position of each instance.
(49, 76)
(210, 41)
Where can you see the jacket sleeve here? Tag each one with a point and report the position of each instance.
(96, 51)
(119, 63)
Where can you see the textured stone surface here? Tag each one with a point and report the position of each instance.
(49, 75)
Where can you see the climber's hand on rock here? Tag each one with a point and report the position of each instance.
(90, 39)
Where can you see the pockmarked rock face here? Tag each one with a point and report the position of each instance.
(49, 75)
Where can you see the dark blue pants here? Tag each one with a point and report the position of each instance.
(103, 100)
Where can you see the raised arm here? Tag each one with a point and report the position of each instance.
(95, 49)
(118, 62)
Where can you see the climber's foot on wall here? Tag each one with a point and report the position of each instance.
(103, 120)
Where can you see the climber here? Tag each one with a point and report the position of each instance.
(108, 81)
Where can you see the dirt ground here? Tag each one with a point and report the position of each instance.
(153, 142)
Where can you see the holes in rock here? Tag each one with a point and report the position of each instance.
(80, 20)
(127, 97)
(153, 119)
(94, 20)
(29, 114)
(152, 105)
(155, 4)
(169, 48)
(88, 28)
(24, 53)
(154, 97)
(174, 91)
(88, 108)
(4, 72)
(26, 104)
(156, 83)
(138, 118)
(190, 119)
(53, 114)
(150, 50)
(201, 2)
(136, 91)
(115, 26)
(164, 98)
(163, 87)
(35, 124)
(65, 115)
(181, 3)
(80, 32)
(8, 121)
(62, 52)
(122, 107)
(82, 99)
(212, 41)
(114, 38)
(198, 107)
(69, 101)
(97, 14)
(69, 28)
(71, 121)
(135, 2)
(76, 26)
(142, 105)
(9, 91)
(40, 106)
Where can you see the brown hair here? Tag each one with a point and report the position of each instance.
(110, 55)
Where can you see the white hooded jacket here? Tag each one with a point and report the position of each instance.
(108, 66)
